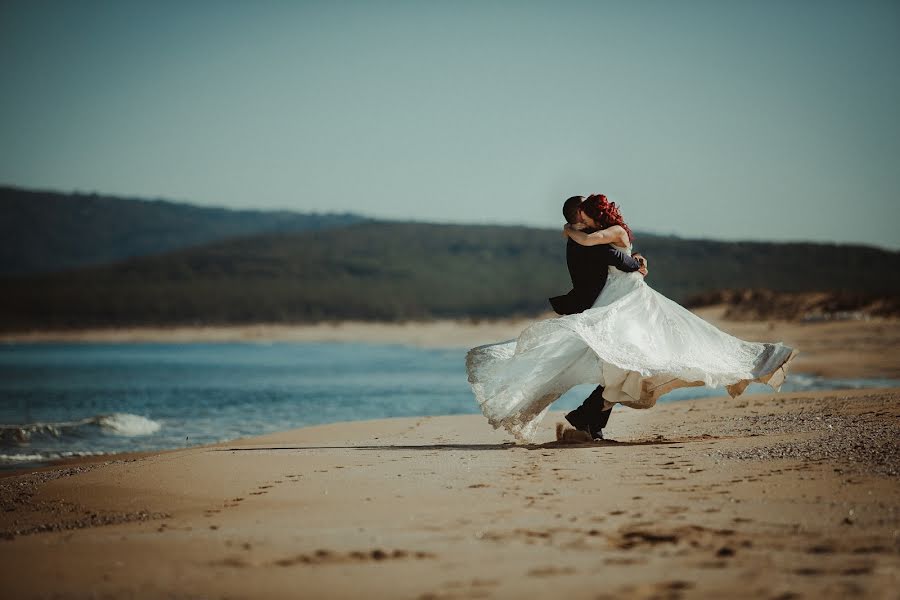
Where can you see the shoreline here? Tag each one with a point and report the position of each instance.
(834, 349)
(441, 333)
(67, 462)
(794, 495)
(429, 333)
(51, 463)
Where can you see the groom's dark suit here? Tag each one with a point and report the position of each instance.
(589, 269)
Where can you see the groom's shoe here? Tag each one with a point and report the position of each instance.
(594, 431)
(577, 423)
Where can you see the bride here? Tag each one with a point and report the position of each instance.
(633, 341)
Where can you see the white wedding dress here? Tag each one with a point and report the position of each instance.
(633, 340)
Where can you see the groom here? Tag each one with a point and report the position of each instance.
(589, 269)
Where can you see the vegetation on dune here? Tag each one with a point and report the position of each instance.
(397, 271)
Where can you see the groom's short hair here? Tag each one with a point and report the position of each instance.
(570, 209)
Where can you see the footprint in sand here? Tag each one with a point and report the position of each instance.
(550, 571)
(694, 535)
(674, 510)
(329, 557)
(712, 564)
(625, 561)
(237, 562)
(857, 571)
(663, 589)
(452, 588)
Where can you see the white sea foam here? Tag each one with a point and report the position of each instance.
(802, 381)
(22, 457)
(128, 424)
(123, 424)
(45, 456)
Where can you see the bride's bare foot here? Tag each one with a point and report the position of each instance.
(570, 435)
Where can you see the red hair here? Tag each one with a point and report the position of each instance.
(605, 213)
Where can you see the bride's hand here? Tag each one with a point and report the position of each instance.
(643, 262)
(565, 230)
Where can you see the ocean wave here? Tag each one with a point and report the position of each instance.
(121, 424)
(128, 424)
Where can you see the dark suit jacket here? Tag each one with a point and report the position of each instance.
(589, 268)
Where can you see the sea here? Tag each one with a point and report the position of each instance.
(63, 400)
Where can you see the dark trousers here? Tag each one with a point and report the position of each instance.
(590, 415)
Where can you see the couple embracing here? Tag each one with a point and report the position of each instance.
(614, 331)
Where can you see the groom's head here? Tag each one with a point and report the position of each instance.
(572, 209)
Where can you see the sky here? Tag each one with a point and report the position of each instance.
(764, 120)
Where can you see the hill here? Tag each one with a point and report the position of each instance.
(44, 232)
(397, 271)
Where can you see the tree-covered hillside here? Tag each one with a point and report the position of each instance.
(43, 232)
(395, 271)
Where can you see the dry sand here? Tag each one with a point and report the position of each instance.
(832, 349)
(770, 496)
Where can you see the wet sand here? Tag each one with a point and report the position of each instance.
(767, 496)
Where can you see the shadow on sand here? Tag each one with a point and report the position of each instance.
(555, 445)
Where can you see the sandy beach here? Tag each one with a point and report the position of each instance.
(769, 496)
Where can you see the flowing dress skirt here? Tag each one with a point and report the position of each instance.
(634, 341)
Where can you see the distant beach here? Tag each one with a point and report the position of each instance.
(850, 348)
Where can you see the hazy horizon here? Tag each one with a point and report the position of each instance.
(772, 121)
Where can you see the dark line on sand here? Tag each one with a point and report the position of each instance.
(506, 446)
